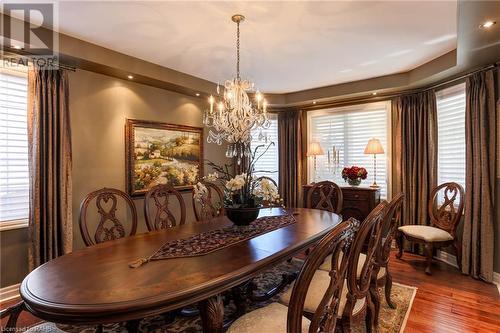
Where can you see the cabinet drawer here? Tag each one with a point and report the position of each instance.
(356, 195)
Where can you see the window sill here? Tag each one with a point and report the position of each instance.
(14, 224)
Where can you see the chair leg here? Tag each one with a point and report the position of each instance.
(347, 314)
(388, 288)
(428, 252)
(458, 249)
(376, 303)
(370, 315)
(399, 242)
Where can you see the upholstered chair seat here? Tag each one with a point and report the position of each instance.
(271, 318)
(426, 233)
(316, 291)
(326, 266)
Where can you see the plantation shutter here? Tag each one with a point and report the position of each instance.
(349, 129)
(270, 160)
(14, 174)
(451, 134)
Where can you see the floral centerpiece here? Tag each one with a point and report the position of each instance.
(244, 193)
(354, 175)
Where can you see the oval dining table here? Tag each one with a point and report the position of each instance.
(95, 285)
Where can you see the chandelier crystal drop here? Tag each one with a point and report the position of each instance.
(233, 114)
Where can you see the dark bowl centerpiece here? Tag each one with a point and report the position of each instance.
(245, 193)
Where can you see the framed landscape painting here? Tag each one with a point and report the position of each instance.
(160, 153)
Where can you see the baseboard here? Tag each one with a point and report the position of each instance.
(496, 280)
(10, 292)
(445, 257)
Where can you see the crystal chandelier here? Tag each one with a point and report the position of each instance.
(232, 114)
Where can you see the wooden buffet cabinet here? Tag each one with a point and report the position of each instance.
(358, 201)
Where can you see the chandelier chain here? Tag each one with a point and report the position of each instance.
(238, 50)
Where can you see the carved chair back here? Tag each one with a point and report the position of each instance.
(210, 205)
(369, 233)
(446, 206)
(337, 243)
(110, 225)
(392, 220)
(325, 195)
(157, 208)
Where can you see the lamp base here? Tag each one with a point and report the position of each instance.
(374, 185)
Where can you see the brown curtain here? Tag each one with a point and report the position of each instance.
(49, 138)
(415, 147)
(290, 154)
(480, 136)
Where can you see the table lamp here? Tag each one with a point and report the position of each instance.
(374, 147)
(315, 150)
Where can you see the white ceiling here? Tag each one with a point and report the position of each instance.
(286, 46)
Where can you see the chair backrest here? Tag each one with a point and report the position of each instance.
(210, 205)
(325, 195)
(157, 208)
(269, 179)
(446, 214)
(337, 243)
(368, 238)
(392, 220)
(109, 226)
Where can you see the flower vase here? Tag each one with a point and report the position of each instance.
(242, 216)
(354, 182)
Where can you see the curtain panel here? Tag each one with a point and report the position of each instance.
(290, 156)
(415, 152)
(49, 140)
(480, 136)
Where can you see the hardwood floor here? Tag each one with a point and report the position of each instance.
(445, 302)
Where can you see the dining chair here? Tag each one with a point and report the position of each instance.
(357, 295)
(277, 317)
(108, 202)
(158, 210)
(209, 206)
(445, 211)
(381, 276)
(325, 195)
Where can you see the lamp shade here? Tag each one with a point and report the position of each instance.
(374, 147)
(315, 149)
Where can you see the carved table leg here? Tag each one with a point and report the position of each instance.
(99, 329)
(212, 314)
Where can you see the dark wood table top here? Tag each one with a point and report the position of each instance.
(96, 285)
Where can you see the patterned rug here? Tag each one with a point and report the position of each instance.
(391, 321)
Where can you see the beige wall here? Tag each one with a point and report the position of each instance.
(99, 105)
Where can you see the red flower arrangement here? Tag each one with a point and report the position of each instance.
(354, 173)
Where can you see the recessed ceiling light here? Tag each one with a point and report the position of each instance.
(17, 47)
(314, 102)
(130, 77)
(198, 94)
(487, 24)
(374, 93)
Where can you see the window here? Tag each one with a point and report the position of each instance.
(348, 129)
(451, 134)
(14, 174)
(270, 160)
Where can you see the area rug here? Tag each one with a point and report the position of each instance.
(391, 321)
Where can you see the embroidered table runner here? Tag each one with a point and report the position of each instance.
(214, 240)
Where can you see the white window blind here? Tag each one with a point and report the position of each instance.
(14, 174)
(451, 134)
(270, 160)
(349, 129)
